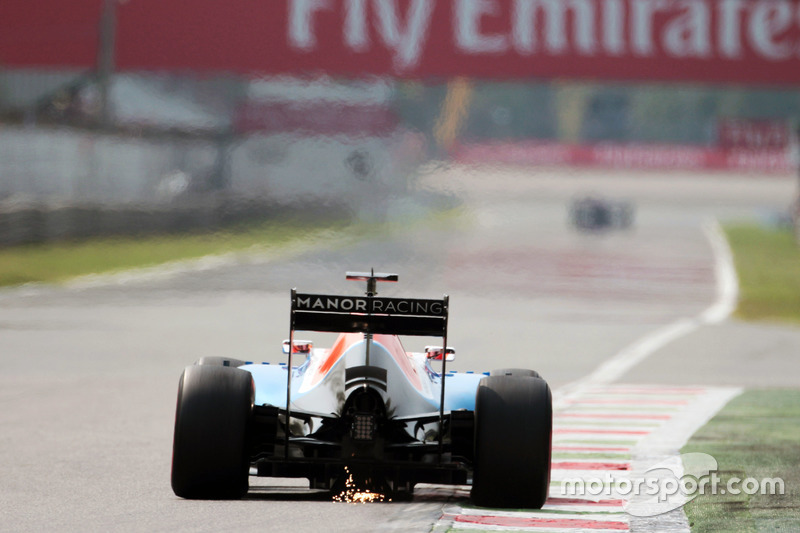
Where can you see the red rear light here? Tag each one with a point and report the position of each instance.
(301, 347)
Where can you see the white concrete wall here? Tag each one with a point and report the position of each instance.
(59, 165)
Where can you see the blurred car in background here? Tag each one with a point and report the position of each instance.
(592, 213)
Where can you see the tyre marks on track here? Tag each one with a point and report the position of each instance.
(603, 432)
(570, 273)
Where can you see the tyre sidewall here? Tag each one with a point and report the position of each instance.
(209, 458)
(513, 435)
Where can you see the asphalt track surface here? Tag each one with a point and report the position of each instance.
(89, 373)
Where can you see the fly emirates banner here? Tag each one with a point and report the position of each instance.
(715, 41)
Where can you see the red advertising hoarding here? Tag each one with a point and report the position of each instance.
(754, 134)
(625, 156)
(710, 41)
(49, 33)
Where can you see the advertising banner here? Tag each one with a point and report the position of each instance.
(626, 156)
(709, 41)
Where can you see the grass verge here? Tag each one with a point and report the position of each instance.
(755, 436)
(57, 262)
(768, 264)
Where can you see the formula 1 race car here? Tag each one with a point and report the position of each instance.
(363, 413)
(592, 213)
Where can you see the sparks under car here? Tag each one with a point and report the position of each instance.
(364, 408)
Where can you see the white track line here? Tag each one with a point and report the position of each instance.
(727, 281)
(720, 310)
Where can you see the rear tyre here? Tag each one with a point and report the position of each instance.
(515, 372)
(209, 456)
(220, 361)
(513, 434)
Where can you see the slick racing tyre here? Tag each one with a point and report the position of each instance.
(209, 455)
(513, 435)
(220, 361)
(515, 372)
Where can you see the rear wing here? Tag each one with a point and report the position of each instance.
(352, 314)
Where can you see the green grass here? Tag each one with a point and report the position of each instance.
(57, 262)
(756, 435)
(768, 264)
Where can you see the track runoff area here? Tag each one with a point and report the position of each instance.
(616, 464)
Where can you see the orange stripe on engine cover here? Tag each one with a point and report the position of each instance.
(343, 342)
(390, 342)
(395, 347)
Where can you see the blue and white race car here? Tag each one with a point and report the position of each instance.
(364, 411)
